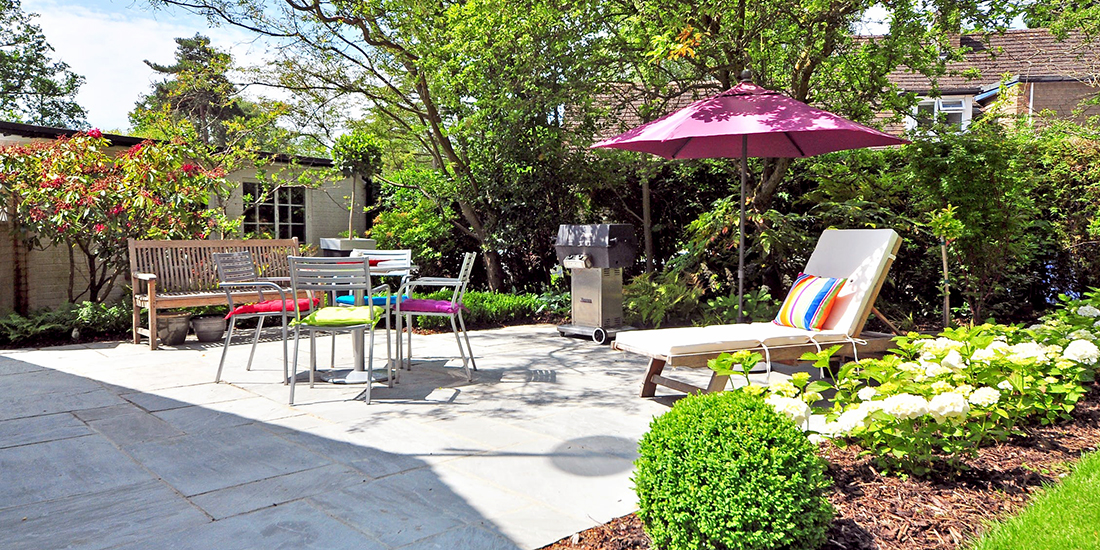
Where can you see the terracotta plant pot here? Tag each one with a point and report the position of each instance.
(172, 327)
(208, 328)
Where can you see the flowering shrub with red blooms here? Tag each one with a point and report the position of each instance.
(71, 192)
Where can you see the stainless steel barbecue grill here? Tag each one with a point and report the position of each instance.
(596, 256)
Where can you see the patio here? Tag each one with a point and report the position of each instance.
(111, 445)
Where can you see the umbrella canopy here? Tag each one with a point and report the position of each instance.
(768, 123)
(776, 125)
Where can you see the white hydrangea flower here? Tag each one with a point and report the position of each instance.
(985, 396)
(952, 361)
(1081, 334)
(1081, 351)
(846, 423)
(869, 407)
(932, 370)
(941, 387)
(1096, 324)
(911, 367)
(939, 346)
(866, 394)
(1050, 380)
(1026, 351)
(784, 389)
(1036, 326)
(904, 406)
(990, 352)
(964, 389)
(1005, 385)
(948, 405)
(1088, 311)
(792, 408)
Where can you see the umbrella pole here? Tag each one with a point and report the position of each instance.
(741, 231)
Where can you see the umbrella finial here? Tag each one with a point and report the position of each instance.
(746, 76)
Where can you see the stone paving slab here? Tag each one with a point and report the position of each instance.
(111, 445)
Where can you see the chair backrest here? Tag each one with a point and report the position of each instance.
(329, 274)
(464, 273)
(235, 267)
(863, 257)
(402, 257)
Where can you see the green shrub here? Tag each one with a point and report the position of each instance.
(494, 308)
(56, 326)
(725, 470)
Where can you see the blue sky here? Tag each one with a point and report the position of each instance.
(105, 41)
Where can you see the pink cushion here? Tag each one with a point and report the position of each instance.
(430, 306)
(271, 306)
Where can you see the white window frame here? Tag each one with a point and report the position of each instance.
(278, 201)
(967, 109)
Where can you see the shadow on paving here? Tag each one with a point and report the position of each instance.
(93, 466)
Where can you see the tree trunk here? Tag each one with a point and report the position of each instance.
(494, 269)
(765, 191)
(647, 226)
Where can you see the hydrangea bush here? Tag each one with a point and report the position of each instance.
(939, 398)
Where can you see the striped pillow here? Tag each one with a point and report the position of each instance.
(809, 302)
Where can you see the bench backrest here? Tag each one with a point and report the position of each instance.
(182, 266)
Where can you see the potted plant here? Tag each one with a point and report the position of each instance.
(356, 154)
(172, 327)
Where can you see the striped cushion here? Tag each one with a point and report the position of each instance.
(809, 302)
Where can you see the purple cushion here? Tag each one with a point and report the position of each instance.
(430, 306)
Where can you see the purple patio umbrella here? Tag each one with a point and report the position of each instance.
(769, 124)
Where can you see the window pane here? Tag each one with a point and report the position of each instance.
(953, 118)
(951, 105)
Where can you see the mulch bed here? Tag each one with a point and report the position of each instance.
(944, 510)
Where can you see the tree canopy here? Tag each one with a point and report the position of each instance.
(34, 88)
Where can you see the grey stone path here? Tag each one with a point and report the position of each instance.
(111, 445)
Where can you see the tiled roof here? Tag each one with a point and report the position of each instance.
(1030, 54)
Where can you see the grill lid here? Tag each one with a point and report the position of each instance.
(608, 245)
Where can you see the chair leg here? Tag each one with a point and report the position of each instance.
(461, 351)
(225, 350)
(409, 353)
(332, 359)
(294, 371)
(284, 352)
(370, 358)
(391, 373)
(312, 355)
(466, 336)
(255, 340)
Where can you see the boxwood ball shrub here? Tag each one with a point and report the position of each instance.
(725, 471)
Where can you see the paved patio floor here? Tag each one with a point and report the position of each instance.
(111, 445)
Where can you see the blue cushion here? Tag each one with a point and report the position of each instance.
(349, 300)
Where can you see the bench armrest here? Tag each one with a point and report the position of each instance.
(145, 276)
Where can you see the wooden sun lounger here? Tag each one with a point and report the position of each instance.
(863, 256)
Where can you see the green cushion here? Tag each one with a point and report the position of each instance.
(342, 316)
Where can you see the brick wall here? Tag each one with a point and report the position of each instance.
(1062, 98)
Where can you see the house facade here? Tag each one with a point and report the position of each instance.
(1023, 72)
(35, 279)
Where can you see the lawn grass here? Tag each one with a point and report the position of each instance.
(1065, 516)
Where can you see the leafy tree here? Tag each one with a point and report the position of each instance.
(485, 108)
(806, 49)
(34, 88)
(71, 192)
(196, 88)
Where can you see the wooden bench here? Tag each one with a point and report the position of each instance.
(171, 274)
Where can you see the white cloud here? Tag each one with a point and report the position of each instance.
(107, 41)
